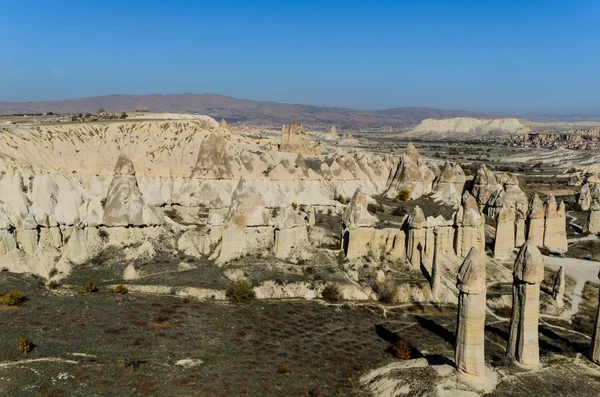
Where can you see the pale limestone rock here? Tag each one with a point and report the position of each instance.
(470, 224)
(130, 273)
(223, 124)
(470, 338)
(505, 233)
(555, 233)
(436, 271)
(215, 159)
(356, 214)
(124, 204)
(416, 237)
(485, 184)
(593, 222)
(411, 174)
(448, 186)
(595, 348)
(558, 287)
(536, 221)
(7, 242)
(291, 236)
(528, 273)
(77, 250)
(295, 140)
(27, 241)
(515, 194)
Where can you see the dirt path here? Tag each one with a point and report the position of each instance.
(581, 270)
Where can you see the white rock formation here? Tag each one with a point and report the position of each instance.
(595, 348)
(558, 287)
(536, 221)
(470, 336)
(470, 224)
(411, 174)
(555, 226)
(593, 222)
(485, 184)
(528, 273)
(291, 235)
(448, 186)
(505, 233)
(295, 140)
(466, 126)
(416, 237)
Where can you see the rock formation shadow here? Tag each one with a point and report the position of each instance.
(437, 329)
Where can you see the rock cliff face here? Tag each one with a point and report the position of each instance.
(466, 126)
(295, 140)
(411, 174)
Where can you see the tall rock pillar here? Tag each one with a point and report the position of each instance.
(505, 233)
(595, 350)
(528, 273)
(536, 221)
(470, 338)
(558, 287)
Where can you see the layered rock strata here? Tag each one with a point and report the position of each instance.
(528, 273)
(505, 233)
(470, 338)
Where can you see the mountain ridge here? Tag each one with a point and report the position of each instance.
(244, 111)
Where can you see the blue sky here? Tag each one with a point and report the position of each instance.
(504, 56)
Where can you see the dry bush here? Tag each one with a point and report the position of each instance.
(294, 206)
(23, 345)
(332, 293)
(91, 287)
(240, 291)
(174, 215)
(13, 298)
(386, 290)
(283, 369)
(103, 234)
(341, 199)
(120, 289)
(401, 349)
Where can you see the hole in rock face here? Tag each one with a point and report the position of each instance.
(346, 242)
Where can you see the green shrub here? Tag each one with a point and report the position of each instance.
(386, 290)
(23, 345)
(240, 291)
(403, 195)
(375, 208)
(283, 369)
(13, 298)
(332, 293)
(91, 287)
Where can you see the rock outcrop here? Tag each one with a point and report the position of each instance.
(470, 225)
(291, 235)
(416, 237)
(505, 233)
(528, 273)
(558, 287)
(485, 184)
(593, 221)
(411, 174)
(124, 203)
(595, 348)
(295, 140)
(466, 127)
(555, 225)
(449, 185)
(536, 221)
(470, 338)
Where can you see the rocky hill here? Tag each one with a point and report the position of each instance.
(234, 110)
(466, 127)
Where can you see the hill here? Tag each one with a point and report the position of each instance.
(234, 110)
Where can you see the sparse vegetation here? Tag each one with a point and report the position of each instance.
(240, 291)
(173, 214)
(503, 311)
(386, 290)
(341, 199)
(375, 208)
(91, 287)
(283, 369)
(401, 349)
(403, 195)
(120, 289)
(23, 345)
(294, 206)
(12, 298)
(332, 293)
(103, 234)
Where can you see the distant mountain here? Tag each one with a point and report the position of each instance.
(234, 110)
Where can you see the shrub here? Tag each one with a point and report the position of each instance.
(283, 369)
(173, 214)
(375, 208)
(401, 349)
(23, 345)
(13, 298)
(386, 290)
(53, 284)
(403, 195)
(103, 234)
(341, 199)
(332, 293)
(240, 291)
(91, 287)
(294, 206)
(120, 289)
(503, 311)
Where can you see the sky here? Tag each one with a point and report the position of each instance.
(526, 56)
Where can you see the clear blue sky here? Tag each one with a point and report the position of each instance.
(516, 56)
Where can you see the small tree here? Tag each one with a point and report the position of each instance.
(403, 195)
(241, 291)
(332, 293)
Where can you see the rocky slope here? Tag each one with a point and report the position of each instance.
(466, 127)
